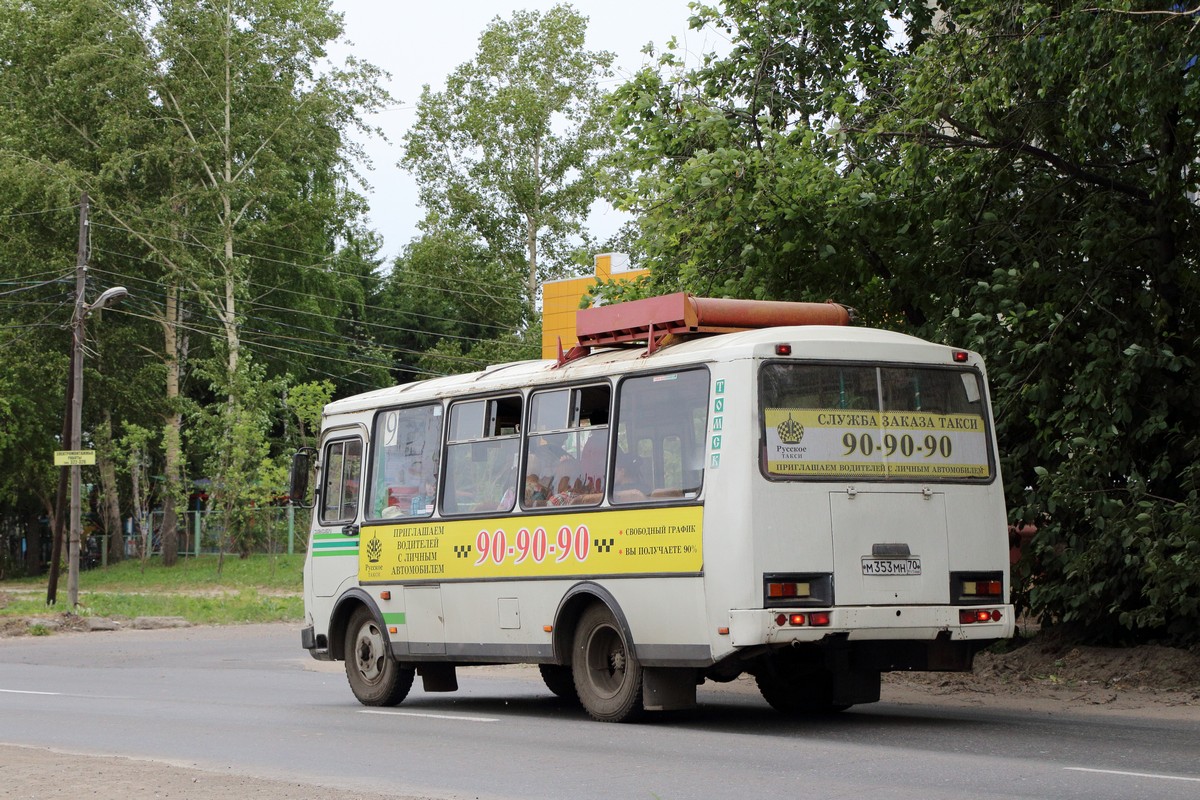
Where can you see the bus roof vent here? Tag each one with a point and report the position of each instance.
(653, 319)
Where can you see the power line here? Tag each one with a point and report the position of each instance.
(324, 258)
(217, 322)
(13, 214)
(30, 286)
(215, 331)
(365, 306)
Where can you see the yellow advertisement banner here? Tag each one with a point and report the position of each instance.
(870, 444)
(606, 542)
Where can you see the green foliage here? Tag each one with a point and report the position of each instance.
(280, 574)
(306, 401)
(507, 154)
(447, 293)
(262, 588)
(249, 474)
(214, 141)
(451, 358)
(1013, 177)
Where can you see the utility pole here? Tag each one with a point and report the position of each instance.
(77, 404)
(60, 499)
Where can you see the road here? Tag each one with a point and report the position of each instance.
(247, 702)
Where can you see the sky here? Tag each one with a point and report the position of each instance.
(422, 42)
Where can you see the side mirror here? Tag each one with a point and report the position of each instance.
(302, 466)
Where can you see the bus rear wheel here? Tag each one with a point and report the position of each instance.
(608, 676)
(794, 687)
(375, 677)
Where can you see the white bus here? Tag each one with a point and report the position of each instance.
(809, 504)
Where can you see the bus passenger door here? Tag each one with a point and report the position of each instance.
(423, 617)
(333, 548)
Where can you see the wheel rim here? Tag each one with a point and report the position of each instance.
(606, 661)
(369, 653)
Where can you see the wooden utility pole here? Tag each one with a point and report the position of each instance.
(77, 404)
(60, 501)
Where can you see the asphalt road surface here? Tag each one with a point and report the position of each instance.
(243, 712)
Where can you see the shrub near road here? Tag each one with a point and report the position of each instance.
(261, 588)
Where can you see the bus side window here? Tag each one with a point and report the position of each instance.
(661, 423)
(566, 450)
(404, 474)
(342, 478)
(481, 456)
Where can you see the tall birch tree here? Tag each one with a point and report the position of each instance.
(508, 151)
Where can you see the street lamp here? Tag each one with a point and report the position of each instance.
(82, 311)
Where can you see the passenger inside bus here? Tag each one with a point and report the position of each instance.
(629, 484)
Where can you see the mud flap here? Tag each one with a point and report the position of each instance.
(668, 689)
(854, 687)
(438, 677)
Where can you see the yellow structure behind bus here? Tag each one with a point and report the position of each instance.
(560, 300)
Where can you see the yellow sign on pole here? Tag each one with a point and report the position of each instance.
(72, 458)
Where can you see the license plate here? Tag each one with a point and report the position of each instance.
(891, 566)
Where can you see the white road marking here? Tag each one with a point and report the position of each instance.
(456, 717)
(1133, 774)
(18, 691)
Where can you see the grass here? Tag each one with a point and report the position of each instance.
(262, 588)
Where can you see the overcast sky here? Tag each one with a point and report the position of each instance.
(422, 42)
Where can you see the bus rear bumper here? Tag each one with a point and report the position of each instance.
(756, 627)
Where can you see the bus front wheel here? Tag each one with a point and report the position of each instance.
(608, 676)
(375, 677)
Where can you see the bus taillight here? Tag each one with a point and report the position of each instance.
(969, 588)
(816, 619)
(787, 590)
(797, 589)
(969, 616)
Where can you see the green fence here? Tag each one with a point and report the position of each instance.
(274, 529)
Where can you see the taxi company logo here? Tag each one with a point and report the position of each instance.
(790, 431)
(374, 550)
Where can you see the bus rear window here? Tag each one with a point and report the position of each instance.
(875, 422)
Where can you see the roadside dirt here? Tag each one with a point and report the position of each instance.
(1048, 674)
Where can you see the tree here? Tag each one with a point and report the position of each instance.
(217, 157)
(1073, 155)
(1015, 177)
(454, 308)
(508, 153)
(736, 182)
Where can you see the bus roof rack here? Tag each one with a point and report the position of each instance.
(654, 318)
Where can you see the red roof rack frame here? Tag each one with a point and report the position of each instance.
(654, 318)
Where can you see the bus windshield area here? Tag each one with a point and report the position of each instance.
(900, 422)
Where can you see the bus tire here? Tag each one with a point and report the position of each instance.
(608, 675)
(559, 680)
(797, 691)
(375, 677)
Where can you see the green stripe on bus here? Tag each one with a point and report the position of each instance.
(395, 618)
(324, 553)
(340, 543)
